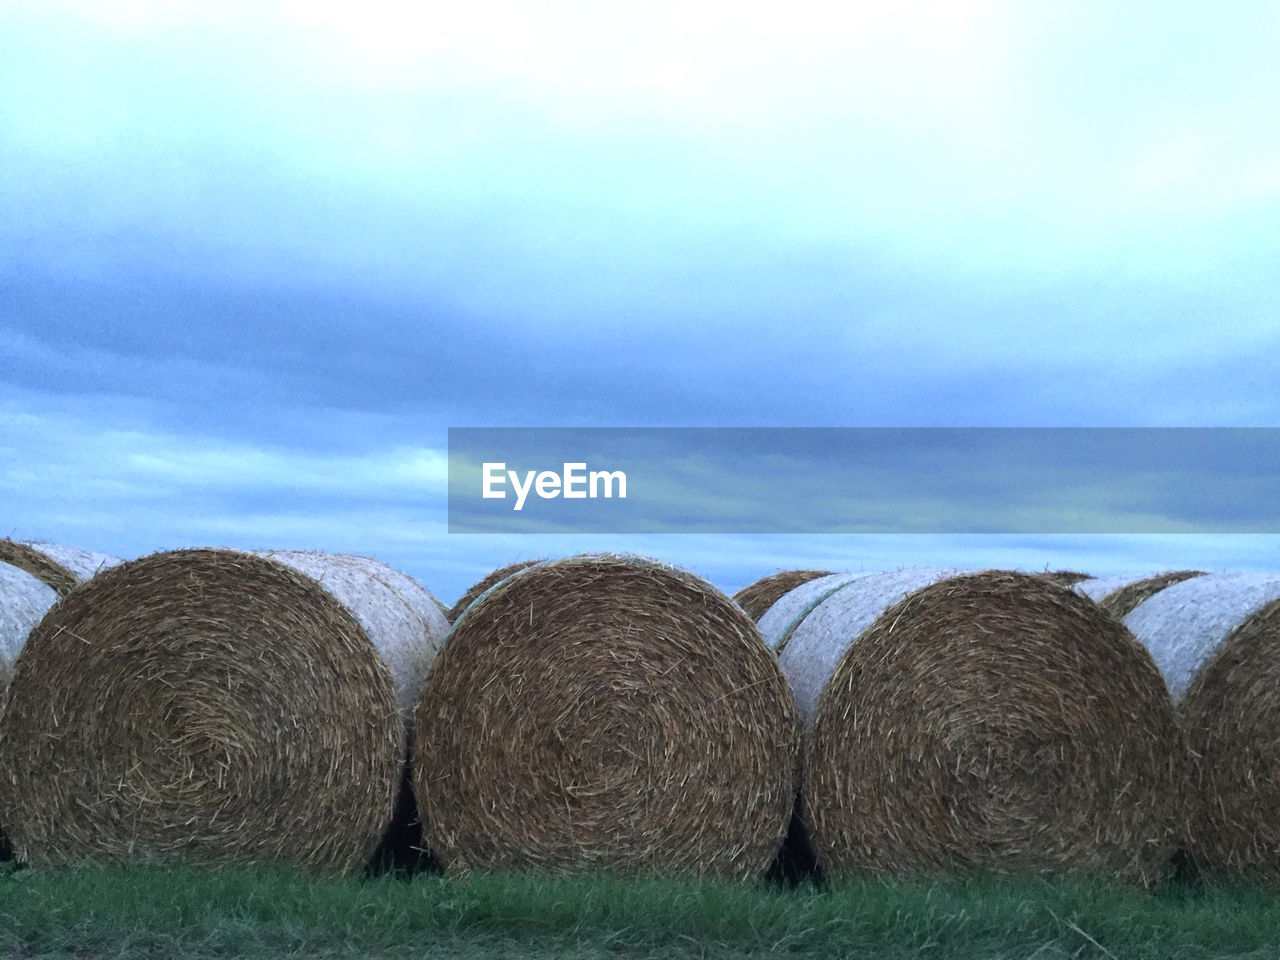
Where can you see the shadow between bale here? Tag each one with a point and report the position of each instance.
(402, 851)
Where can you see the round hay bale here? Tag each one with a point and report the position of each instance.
(215, 706)
(57, 565)
(1216, 637)
(606, 713)
(758, 597)
(483, 584)
(990, 720)
(1120, 594)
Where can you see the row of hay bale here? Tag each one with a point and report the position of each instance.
(993, 720)
(1216, 640)
(216, 706)
(984, 719)
(605, 712)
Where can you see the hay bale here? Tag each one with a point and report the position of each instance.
(606, 712)
(1120, 594)
(23, 601)
(758, 597)
(57, 565)
(815, 636)
(214, 706)
(480, 586)
(1186, 624)
(401, 617)
(33, 575)
(788, 611)
(1216, 637)
(988, 720)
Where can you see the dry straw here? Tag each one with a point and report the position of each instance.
(996, 721)
(1120, 594)
(216, 706)
(758, 597)
(480, 586)
(1216, 637)
(58, 566)
(606, 713)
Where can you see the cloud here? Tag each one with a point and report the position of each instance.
(248, 242)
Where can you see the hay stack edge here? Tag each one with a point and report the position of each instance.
(59, 566)
(606, 713)
(23, 601)
(33, 575)
(486, 582)
(992, 720)
(1216, 638)
(1121, 593)
(756, 598)
(216, 706)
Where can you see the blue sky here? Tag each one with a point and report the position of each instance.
(255, 260)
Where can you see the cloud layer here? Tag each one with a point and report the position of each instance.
(253, 257)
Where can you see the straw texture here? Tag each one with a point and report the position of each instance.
(995, 721)
(606, 712)
(483, 584)
(758, 597)
(57, 565)
(212, 706)
(1217, 639)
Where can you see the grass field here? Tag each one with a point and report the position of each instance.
(153, 912)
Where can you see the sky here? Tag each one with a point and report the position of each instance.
(256, 259)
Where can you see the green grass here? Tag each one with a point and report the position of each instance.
(152, 912)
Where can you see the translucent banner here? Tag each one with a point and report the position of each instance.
(864, 480)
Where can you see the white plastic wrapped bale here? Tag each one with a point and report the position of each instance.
(59, 566)
(992, 720)
(822, 623)
(216, 706)
(778, 622)
(1119, 594)
(23, 601)
(1217, 639)
(395, 610)
(756, 598)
